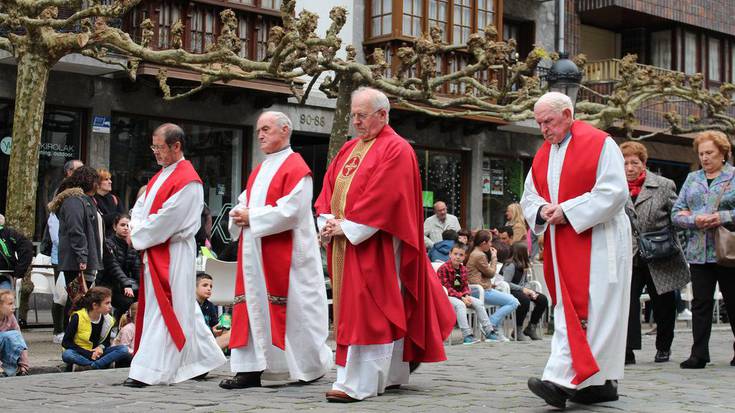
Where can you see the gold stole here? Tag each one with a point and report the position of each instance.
(339, 197)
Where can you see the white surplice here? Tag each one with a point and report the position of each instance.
(157, 360)
(307, 355)
(601, 209)
(369, 369)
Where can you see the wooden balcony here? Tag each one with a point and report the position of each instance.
(602, 75)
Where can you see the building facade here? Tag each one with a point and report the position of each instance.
(476, 165)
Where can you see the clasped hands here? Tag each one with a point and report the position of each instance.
(553, 214)
(333, 228)
(704, 221)
(240, 216)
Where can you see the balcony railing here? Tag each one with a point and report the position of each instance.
(602, 75)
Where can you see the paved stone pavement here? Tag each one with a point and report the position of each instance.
(478, 378)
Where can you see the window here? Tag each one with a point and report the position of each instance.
(438, 16)
(732, 62)
(456, 64)
(380, 17)
(412, 14)
(261, 34)
(270, 4)
(690, 53)
(62, 138)
(136, 17)
(713, 60)
(202, 28)
(485, 14)
(661, 49)
(168, 14)
(246, 2)
(462, 21)
(243, 32)
(441, 175)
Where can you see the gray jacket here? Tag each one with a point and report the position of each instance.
(79, 235)
(652, 212)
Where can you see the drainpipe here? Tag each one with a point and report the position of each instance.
(560, 25)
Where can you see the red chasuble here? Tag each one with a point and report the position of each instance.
(385, 193)
(159, 257)
(573, 251)
(277, 265)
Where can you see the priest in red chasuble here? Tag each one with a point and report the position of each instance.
(575, 195)
(280, 320)
(172, 343)
(389, 309)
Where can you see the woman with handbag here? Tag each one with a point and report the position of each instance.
(705, 206)
(658, 262)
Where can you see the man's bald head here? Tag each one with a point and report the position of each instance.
(440, 210)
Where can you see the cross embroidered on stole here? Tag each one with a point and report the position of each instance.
(339, 198)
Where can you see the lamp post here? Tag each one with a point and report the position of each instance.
(564, 77)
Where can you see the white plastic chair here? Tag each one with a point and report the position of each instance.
(223, 280)
(502, 286)
(42, 279)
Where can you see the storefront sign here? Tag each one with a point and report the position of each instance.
(5, 144)
(57, 149)
(308, 118)
(101, 124)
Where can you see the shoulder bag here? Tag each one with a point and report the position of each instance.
(724, 239)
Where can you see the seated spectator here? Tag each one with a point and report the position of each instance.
(453, 276)
(514, 273)
(13, 349)
(440, 251)
(126, 334)
(17, 254)
(514, 215)
(122, 266)
(505, 235)
(209, 310)
(464, 237)
(481, 271)
(87, 338)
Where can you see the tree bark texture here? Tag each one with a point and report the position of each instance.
(30, 96)
(341, 124)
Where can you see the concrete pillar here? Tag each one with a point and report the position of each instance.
(98, 145)
(474, 219)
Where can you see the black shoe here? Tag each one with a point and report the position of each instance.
(693, 363)
(134, 383)
(662, 356)
(607, 392)
(552, 394)
(242, 381)
(413, 365)
(200, 377)
(629, 356)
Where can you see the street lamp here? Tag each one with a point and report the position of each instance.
(564, 77)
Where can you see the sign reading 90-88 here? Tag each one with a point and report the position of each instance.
(312, 120)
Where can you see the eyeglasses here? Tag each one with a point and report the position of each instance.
(159, 148)
(362, 116)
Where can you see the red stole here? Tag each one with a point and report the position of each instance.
(159, 257)
(578, 176)
(385, 193)
(277, 265)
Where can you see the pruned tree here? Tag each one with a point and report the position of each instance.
(641, 85)
(38, 39)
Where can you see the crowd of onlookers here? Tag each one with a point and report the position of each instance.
(96, 271)
(487, 269)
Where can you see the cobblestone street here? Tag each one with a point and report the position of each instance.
(481, 377)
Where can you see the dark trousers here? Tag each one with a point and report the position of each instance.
(704, 279)
(664, 311)
(541, 303)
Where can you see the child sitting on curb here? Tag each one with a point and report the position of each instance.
(87, 337)
(209, 310)
(13, 349)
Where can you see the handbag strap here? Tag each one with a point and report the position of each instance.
(724, 189)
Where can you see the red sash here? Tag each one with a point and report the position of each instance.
(159, 257)
(573, 251)
(277, 265)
